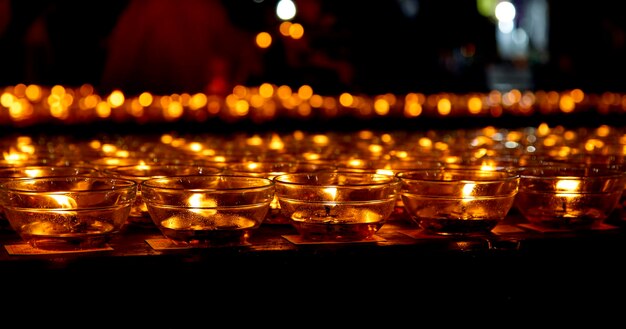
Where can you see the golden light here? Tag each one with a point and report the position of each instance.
(381, 106)
(296, 31)
(346, 99)
(116, 99)
(145, 99)
(206, 205)
(64, 201)
(566, 187)
(283, 28)
(474, 105)
(263, 40)
(13, 156)
(276, 143)
(468, 190)
(33, 172)
(567, 104)
(444, 106)
(331, 191)
(254, 140)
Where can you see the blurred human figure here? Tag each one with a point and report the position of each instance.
(172, 46)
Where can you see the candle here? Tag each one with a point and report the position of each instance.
(568, 197)
(457, 201)
(337, 206)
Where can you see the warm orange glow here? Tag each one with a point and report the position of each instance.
(263, 40)
(305, 92)
(381, 106)
(296, 31)
(283, 28)
(567, 104)
(345, 99)
(145, 99)
(173, 110)
(116, 99)
(266, 90)
(444, 106)
(33, 93)
(474, 105)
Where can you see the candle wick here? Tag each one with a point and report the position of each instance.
(327, 209)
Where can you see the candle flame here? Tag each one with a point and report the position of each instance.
(64, 201)
(33, 172)
(468, 190)
(567, 186)
(198, 200)
(332, 191)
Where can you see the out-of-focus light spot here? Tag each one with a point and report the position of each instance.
(320, 139)
(444, 107)
(145, 99)
(381, 107)
(506, 27)
(7, 99)
(412, 109)
(474, 105)
(266, 90)
(566, 104)
(316, 101)
(86, 89)
(33, 93)
(136, 109)
(116, 99)
(486, 8)
(425, 142)
(173, 110)
(88, 102)
(345, 99)
(57, 90)
(166, 138)
(103, 110)
(578, 95)
(505, 11)
(263, 40)
(543, 129)
(285, 10)
(197, 101)
(283, 28)
(283, 92)
(241, 108)
(569, 135)
(296, 31)
(603, 131)
(305, 92)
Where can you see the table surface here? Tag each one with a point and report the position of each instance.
(507, 268)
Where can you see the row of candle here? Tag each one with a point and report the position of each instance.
(459, 181)
(362, 149)
(25, 105)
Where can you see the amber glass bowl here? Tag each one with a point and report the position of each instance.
(337, 206)
(67, 212)
(458, 201)
(208, 210)
(569, 197)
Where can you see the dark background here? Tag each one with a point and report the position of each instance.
(388, 51)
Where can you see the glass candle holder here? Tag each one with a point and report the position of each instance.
(458, 201)
(569, 197)
(139, 213)
(67, 212)
(271, 169)
(34, 171)
(337, 206)
(208, 210)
